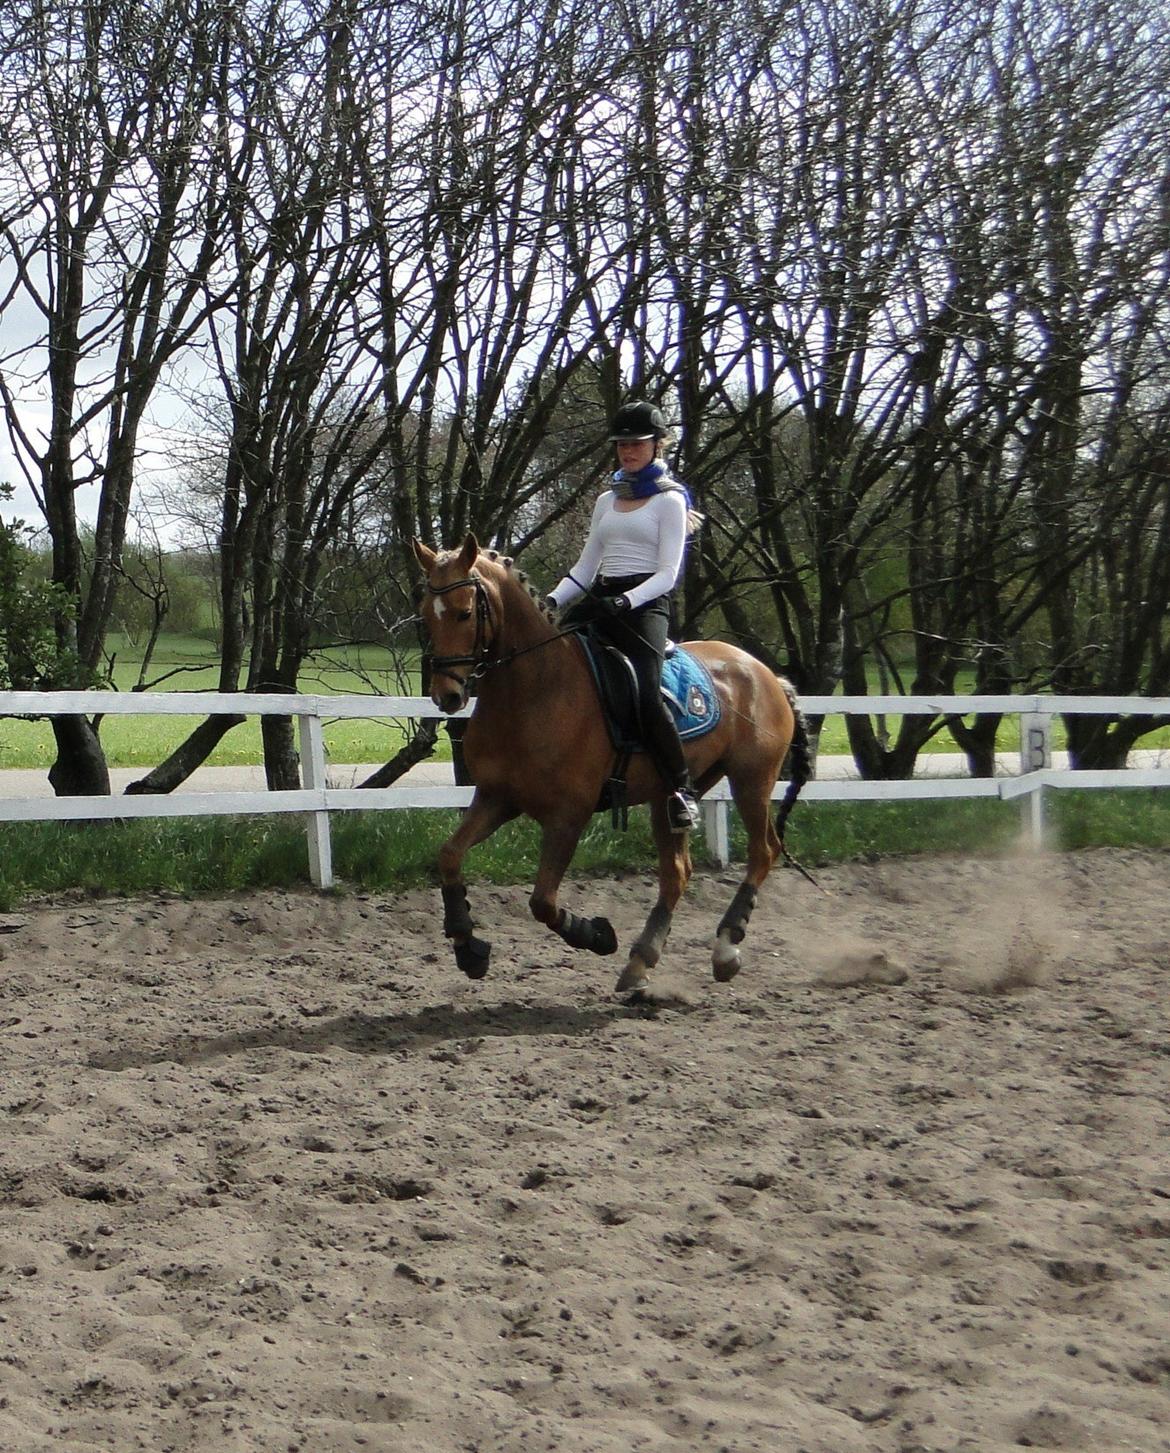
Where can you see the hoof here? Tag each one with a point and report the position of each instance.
(725, 962)
(605, 937)
(473, 957)
(633, 976)
(596, 935)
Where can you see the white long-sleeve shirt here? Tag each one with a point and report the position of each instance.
(647, 541)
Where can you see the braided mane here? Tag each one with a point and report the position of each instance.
(509, 565)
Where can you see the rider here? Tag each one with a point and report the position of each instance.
(630, 563)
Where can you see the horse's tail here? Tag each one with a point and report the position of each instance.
(800, 762)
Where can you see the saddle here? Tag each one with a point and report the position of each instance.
(687, 688)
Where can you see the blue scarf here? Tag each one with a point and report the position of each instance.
(652, 478)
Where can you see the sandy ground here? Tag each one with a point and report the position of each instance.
(276, 1177)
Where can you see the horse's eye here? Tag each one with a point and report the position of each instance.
(465, 615)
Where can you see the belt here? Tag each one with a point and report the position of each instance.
(621, 582)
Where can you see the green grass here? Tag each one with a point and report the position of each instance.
(849, 831)
(396, 850)
(225, 855)
(146, 740)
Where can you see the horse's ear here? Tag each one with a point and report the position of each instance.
(468, 553)
(425, 556)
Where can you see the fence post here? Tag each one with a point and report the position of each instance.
(1035, 801)
(716, 832)
(1035, 756)
(316, 823)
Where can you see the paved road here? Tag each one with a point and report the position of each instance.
(245, 779)
(218, 779)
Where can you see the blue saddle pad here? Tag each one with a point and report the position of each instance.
(687, 686)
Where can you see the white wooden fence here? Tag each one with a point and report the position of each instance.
(316, 800)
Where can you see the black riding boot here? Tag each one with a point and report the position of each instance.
(665, 746)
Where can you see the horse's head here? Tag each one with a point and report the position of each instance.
(457, 614)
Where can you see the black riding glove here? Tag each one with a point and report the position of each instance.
(614, 605)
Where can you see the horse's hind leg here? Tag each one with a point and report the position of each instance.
(763, 849)
(674, 871)
(480, 820)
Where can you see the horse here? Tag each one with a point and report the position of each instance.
(537, 745)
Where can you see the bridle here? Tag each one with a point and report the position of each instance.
(481, 659)
(478, 660)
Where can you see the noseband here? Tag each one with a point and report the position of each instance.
(478, 660)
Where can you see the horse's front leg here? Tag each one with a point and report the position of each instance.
(674, 872)
(481, 819)
(557, 844)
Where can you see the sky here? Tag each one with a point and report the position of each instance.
(161, 440)
(23, 505)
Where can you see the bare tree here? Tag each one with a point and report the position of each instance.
(897, 270)
(1090, 109)
(111, 221)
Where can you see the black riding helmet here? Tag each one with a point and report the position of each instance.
(637, 420)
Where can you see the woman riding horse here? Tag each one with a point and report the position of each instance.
(537, 745)
(623, 578)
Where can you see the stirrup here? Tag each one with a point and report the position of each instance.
(682, 811)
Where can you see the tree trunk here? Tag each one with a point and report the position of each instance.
(456, 730)
(874, 760)
(188, 755)
(420, 747)
(80, 768)
(876, 763)
(1104, 742)
(977, 741)
(282, 765)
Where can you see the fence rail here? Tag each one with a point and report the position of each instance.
(316, 800)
